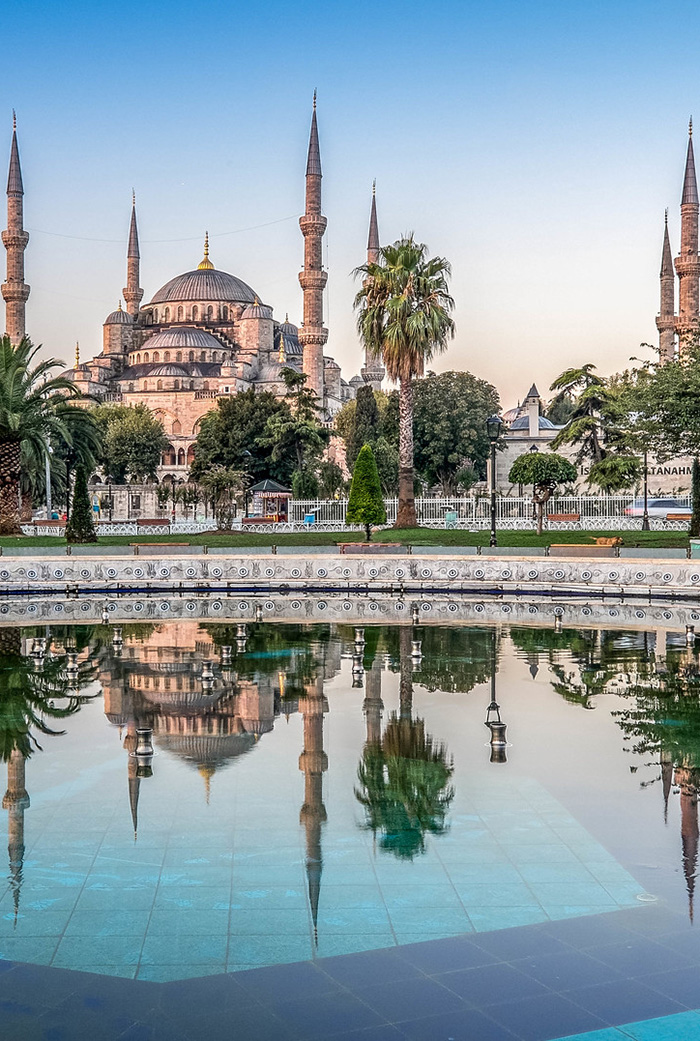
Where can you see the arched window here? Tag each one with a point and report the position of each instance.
(195, 313)
(178, 356)
(156, 356)
(177, 385)
(180, 313)
(145, 384)
(166, 356)
(177, 426)
(203, 356)
(191, 384)
(215, 356)
(138, 359)
(146, 356)
(155, 314)
(191, 355)
(210, 313)
(205, 385)
(131, 388)
(159, 385)
(181, 457)
(224, 313)
(166, 314)
(169, 459)
(190, 455)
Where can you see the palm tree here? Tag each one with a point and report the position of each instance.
(33, 408)
(404, 318)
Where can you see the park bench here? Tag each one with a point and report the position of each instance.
(564, 518)
(579, 549)
(274, 518)
(678, 516)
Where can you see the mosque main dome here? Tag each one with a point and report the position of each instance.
(205, 284)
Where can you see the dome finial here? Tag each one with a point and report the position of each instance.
(314, 99)
(374, 186)
(283, 353)
(14, 120)
(77, 353)
(666, 216)
(690, 127)
(206, 264)
(119, 305)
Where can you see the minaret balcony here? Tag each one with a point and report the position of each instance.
(14, 292)
(313, 279)
(688, 265)
(312, 224)
(666, 321)
(15, 239)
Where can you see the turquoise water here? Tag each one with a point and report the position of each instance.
(296, 809)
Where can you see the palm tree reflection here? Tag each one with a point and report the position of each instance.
(404, 775)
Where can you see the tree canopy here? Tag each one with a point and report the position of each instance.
(449, 428)
(544, 471)
(366, 505)
(133, 441)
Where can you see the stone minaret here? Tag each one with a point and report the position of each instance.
(313, 278)
(15, 801)
(313, 761)
(372, 371)
(666, 320)
(15, 290)
(133, 292)
(688, 262)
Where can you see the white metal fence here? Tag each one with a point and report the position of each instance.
(591, 512)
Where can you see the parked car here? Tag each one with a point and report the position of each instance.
(658, 508)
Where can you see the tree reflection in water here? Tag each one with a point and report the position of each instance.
(404, 777)
(35, 690)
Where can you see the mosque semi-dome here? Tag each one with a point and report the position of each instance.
(205, 284)
(182, 336)
(257, 310)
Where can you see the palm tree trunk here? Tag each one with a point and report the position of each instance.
(406, 515)
(9, 487)
(405, 673)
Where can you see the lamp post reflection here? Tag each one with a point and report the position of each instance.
(493, 714)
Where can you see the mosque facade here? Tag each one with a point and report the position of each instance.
(205, 334)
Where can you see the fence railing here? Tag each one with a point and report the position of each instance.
(593, 512)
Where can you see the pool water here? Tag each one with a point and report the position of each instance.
(311, 795)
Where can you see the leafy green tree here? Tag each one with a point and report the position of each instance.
(133, 441)
(366, 505)
(34, 409)
(365, 428)
(386, 457)
(225, 487)
(297, 435)
(234, 435)
(83, 449)
(544, 471)
(695, 490)
(559, 409)
(449, 428)
(330, 479)
(599, 424)
(404, 318)
(80, 527)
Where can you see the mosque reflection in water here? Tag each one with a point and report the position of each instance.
(208, 693)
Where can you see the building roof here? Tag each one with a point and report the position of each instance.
(690, 184)
(269, 487)
(119, 317)
(182, 336)
(523, 423)
(257, 310)
(291, 339)
(205, 284)
(191, 369)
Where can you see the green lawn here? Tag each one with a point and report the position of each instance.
(406, 536)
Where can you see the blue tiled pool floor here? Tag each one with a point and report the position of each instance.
(628, 974)
(158, 911)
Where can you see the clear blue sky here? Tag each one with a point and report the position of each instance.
(535, 145)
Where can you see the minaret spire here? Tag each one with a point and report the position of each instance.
(132, 291)
(688, 262)
(313, 762)
(312, 335)
(15, 291)
(372, 371)
(15, 801)
(666, 320)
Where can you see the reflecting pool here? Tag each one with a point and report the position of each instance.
(315, 790)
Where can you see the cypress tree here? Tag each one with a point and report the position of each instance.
(695, 491)
(80, 527)
(365, 428)
(366, 505)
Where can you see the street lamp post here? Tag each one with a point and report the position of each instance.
(493, 429)
(247, 456)
(645, 518)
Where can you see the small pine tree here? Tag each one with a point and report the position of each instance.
(366, 505)
(695, 491)
(80, 527)
(365, 427)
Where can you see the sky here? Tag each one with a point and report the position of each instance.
(535, 145)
